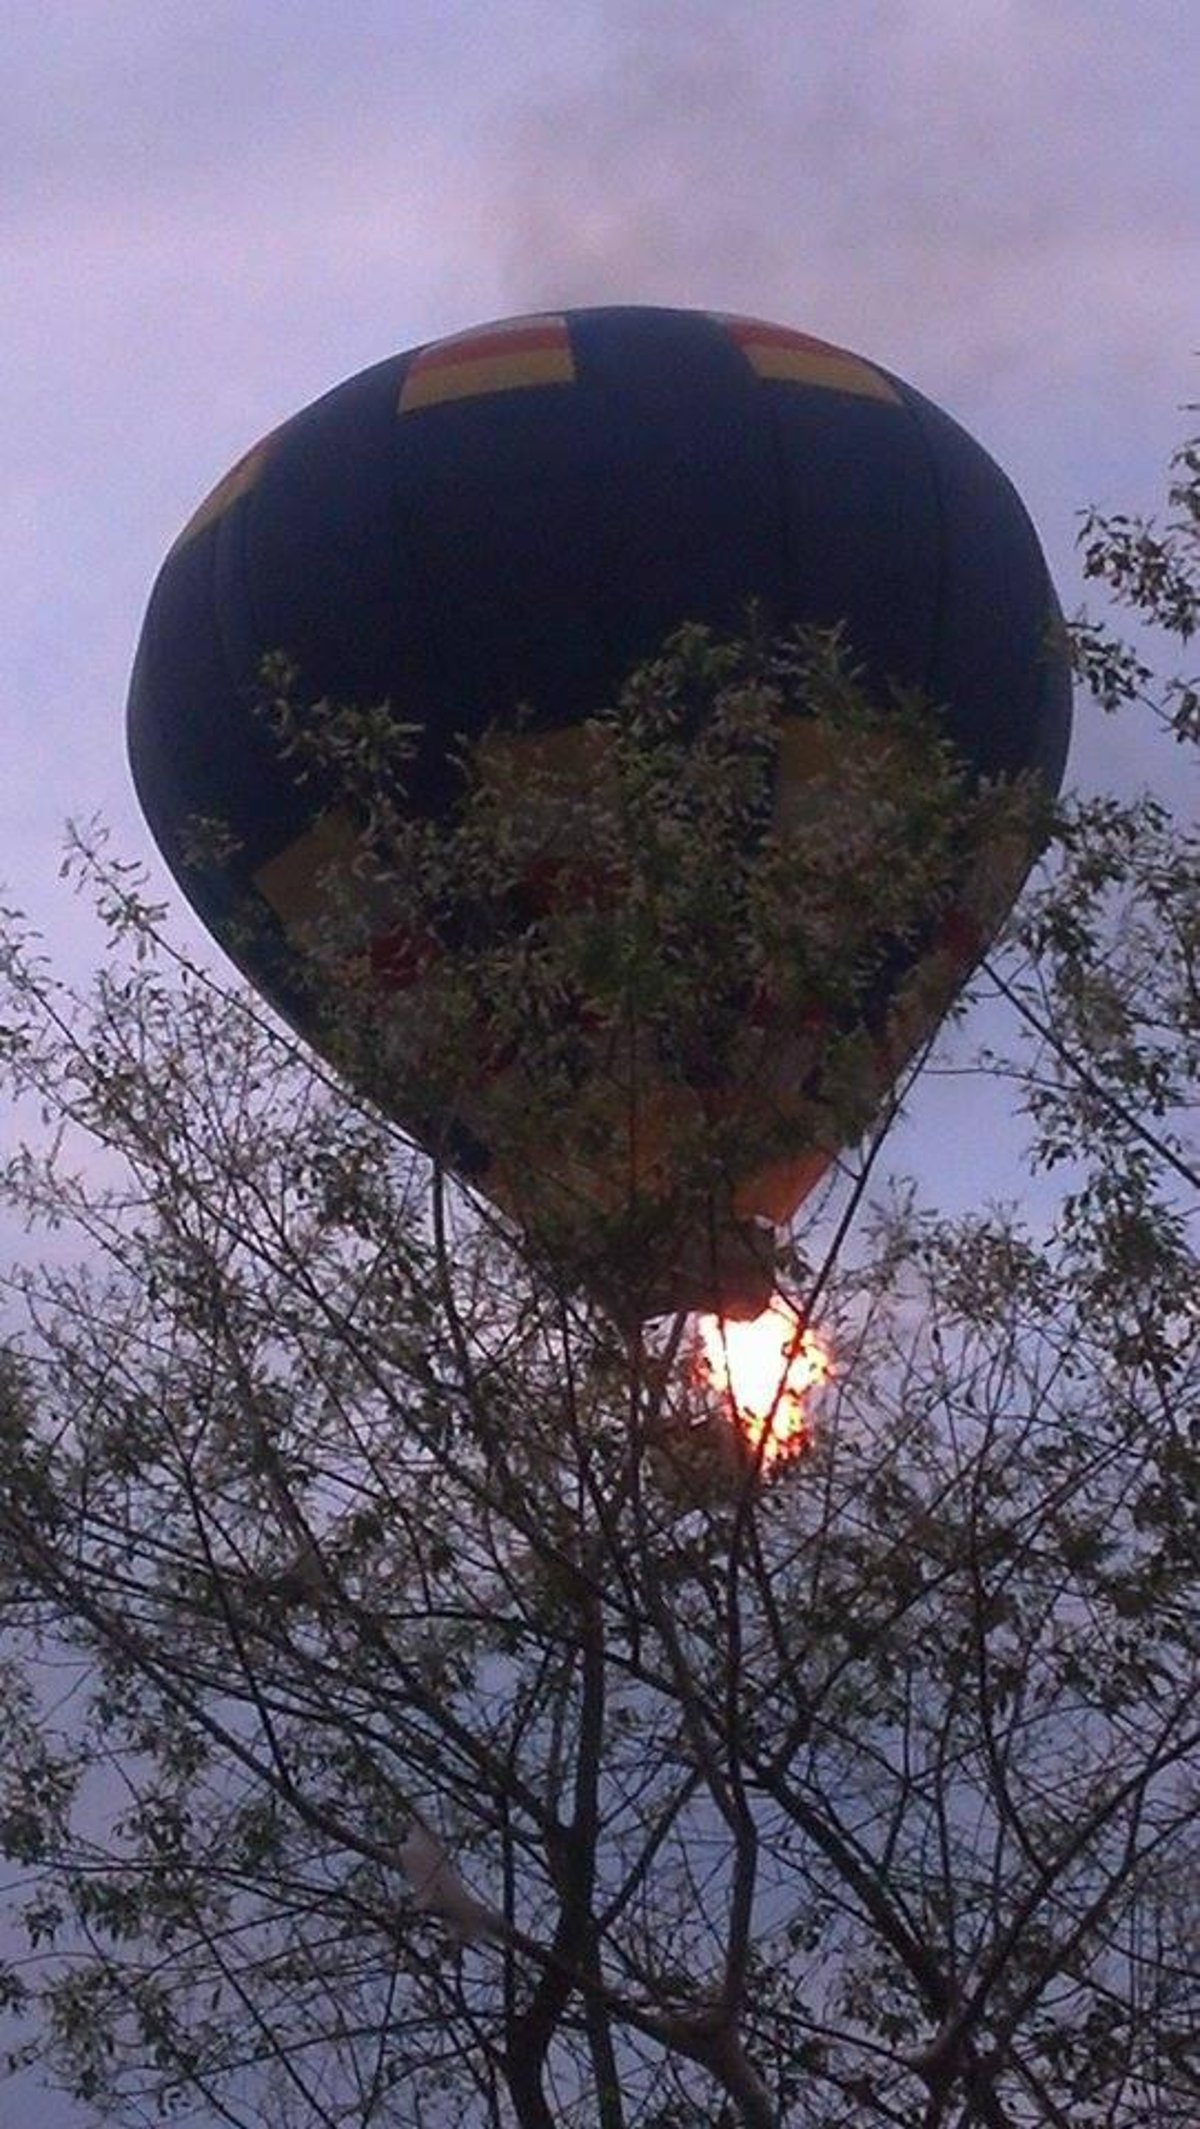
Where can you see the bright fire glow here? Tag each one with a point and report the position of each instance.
(766, 1369)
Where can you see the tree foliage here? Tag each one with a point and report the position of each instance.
(336, 1521)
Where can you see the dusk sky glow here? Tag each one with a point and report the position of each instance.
(212, 212)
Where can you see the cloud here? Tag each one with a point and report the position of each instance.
(982, 180)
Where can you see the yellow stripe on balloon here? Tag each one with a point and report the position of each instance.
(511, 357)
(775, 352)
(296, 882)
(239, 480)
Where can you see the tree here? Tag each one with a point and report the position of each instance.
(463, 1723)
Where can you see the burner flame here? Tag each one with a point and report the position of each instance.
(764, 1370)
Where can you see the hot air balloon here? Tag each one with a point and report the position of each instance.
(513, 519)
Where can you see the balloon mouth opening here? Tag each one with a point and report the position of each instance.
(726, 1271)
(729, 1273)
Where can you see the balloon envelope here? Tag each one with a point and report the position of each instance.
(519, 515)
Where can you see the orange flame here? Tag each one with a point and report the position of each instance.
(765, 1368)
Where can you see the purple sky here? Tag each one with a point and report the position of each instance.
(210, 212)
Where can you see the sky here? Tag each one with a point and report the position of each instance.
(209, 213)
